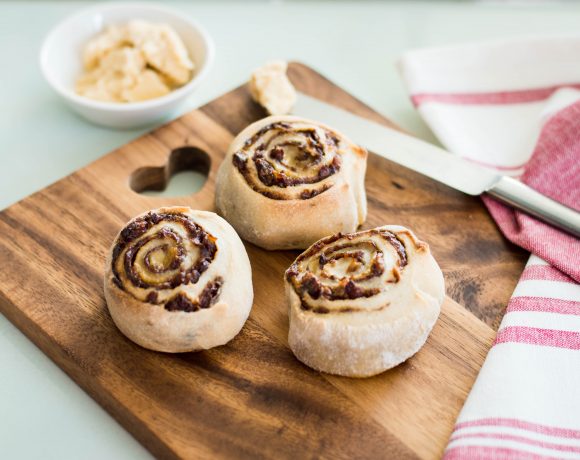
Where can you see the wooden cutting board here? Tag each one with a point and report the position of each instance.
(250, 398)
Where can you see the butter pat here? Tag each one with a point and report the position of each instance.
(148, 85)
(134, 62)
(271, 88)
(163, 50)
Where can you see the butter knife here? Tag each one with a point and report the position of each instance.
(438, 164)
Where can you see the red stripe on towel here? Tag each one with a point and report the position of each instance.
(495, 166)
(522, 425)
(538, 336)
(489, 98)
(488, 453)
(564, 307)
(522, 439)
(544, 272)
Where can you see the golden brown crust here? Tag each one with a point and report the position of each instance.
(287, 182)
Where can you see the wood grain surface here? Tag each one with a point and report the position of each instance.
(250, 398)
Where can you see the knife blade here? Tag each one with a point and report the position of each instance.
(438, 164)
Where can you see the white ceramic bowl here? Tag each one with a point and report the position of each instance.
(61, 61)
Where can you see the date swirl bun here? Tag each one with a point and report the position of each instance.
(363, 302)
(287, 182)
(178, 280)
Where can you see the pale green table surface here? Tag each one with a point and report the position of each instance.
(44, 414)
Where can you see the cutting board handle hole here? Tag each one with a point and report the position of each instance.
(184, 173)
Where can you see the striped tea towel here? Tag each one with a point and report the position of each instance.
(514, 106)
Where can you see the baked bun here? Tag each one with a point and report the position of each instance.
(364, 302)
(178, 280)
(286, 182)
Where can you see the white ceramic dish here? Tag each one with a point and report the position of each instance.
(61, 63)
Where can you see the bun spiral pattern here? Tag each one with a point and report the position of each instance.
(287, 182)
(168, 283)
(288, 160)
(363, 302)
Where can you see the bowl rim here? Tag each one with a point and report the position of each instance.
(173, 96)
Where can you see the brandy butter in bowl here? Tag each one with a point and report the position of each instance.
(126, 65)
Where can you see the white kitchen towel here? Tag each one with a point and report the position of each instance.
(499, 104)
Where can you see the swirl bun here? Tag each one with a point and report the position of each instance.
(363, 302)
(287, 182)
(178, 280)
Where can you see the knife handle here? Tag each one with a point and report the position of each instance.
(522, 197)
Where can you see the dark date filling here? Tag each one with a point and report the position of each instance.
(307, 194)
(131, 254)
(310, 151)
(207, 298)
(174, 253)
(347, 287)
(377, 265)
